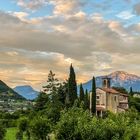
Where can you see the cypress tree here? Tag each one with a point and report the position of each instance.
(131, 91)
(86, 100)
(72, 86)
(81, 93)
(93, 95)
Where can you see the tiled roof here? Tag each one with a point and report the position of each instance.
(110, 90)
(113, 91)
(124, 94)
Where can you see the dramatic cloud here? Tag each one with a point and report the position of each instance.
(60, 6)
(30, 46)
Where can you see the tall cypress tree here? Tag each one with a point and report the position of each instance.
(81, 93)
(93, 95)
(86, 100)
(72, 86)
(131, 91)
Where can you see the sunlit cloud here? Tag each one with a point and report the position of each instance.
(32, 42)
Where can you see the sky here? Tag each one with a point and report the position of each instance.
(97, 36)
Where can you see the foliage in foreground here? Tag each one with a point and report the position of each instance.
(77, 124)
(2, 133)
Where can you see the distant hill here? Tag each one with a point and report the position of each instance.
(118, 79)
(8, 93)
(26, 91)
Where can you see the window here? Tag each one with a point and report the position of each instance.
(97, 97)
(115, 98)
(124, 98)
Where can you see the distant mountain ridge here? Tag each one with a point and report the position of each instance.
(26, 91)
(118, 79)
(8, 93)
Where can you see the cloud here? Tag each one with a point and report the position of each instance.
(125, 15)
(69, 33)
(31, 67)
(7, 18)
(95, 47)
(31, 4)
(21, 15)
(61, 7)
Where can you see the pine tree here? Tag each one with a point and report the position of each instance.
(72, 86)
(81, 93)
(93, 95)
(52, 84)
(52, 87)
(86, 100)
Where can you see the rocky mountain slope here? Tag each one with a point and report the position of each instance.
(118, 79)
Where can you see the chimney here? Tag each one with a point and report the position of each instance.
(106, 82)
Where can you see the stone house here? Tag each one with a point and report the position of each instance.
(108, 98)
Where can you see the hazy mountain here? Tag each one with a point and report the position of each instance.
(118, 79)
(26, 91)
(8, 93)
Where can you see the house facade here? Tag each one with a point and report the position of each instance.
(108, 98)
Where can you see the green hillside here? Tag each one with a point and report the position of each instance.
(7, 93)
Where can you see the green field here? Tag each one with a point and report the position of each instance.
(11, 133)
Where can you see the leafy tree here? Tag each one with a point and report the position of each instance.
(62, 91)
(40, 128)
(72, 86)
(93, 109)
(53, 110)
(77, 124)
(23, 124)
(70, 124)
(81, 93)
(19, 135)
(134, 102)
(41, 101)
(23, 127)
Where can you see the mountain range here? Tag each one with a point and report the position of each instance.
(7, 93)
(118, 79)
(26, 91)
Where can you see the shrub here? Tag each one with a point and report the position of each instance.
(40, 128)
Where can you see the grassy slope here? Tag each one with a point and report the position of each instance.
(11, 133)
